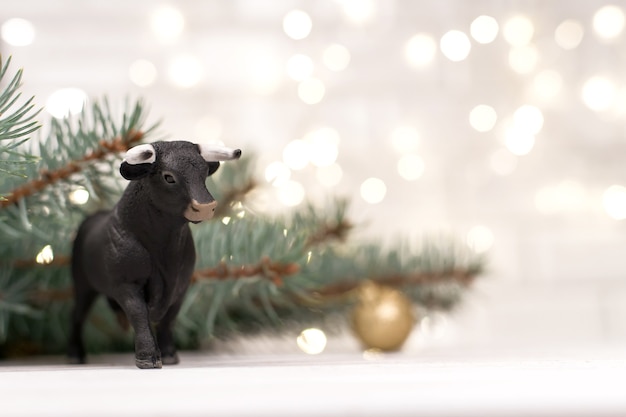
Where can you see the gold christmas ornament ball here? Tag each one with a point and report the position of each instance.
(383, 317)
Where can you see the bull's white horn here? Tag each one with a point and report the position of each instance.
(140, 154)
(215, 153)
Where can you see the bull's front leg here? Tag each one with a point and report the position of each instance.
(132, 301)
(165, 336)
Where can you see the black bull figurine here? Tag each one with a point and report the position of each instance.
(141, 255)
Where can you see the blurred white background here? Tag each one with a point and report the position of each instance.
(500, 122)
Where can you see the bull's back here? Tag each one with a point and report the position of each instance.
(84, 250)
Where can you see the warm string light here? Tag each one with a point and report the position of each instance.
(608, 22)
(312, 341)
(167, 23)
(480, 238)
(66, 102)
(45, 256)
(79, 196)
(142, 73)
(18, 32)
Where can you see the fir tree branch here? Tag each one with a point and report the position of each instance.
(50, 177)
(15, 125)
(273, 271)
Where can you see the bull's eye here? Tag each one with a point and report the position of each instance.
(169, 178)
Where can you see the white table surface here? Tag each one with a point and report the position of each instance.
(445, 382)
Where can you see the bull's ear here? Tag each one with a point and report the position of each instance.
(213, 166)
(134, 172)
(138, 162)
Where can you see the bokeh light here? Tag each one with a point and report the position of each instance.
(336, 57)
(420, 50)
(299, 67)
(518, 31)
(79, 196)
(569, 34)
(45, 255)
(167, 23)
(291, 193)
(483, 118)
(566, 196)
(410, 167)
(484, 29)
(296, 154)
(330, 175)
(297, 24)
(312, 341)
(65, 102)
(519, 142)
(529, 119)
(599, 93)
(142, 73)
(277, 173)
(547, 84)
(323, 146)
(608, 22)
(373, 190)
(455, 45)
(185, 71)
(480, 238)
(311, 90)
(614, 202)
(18, 32)
(405, 139)
(524, 59)
(358, 11)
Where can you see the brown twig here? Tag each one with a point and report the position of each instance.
(398, 280)
(274, 271)
(43, 296)
(60, 260)
(235, 194)
(336, 231)
(49, 177)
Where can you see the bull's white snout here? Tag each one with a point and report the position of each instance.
(197, 212)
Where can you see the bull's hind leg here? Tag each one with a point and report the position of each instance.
(84, 297)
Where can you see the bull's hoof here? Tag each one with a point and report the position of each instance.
(170, 359)
(149, 362)
(76, 356)
(76, 360)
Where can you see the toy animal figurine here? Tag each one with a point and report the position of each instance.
(141, 255)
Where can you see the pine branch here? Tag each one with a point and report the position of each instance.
(15, 125)
(76, 153)
(252, 271)
(48, 178)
